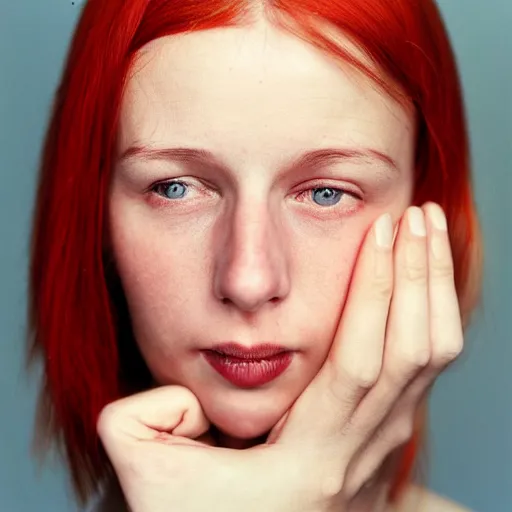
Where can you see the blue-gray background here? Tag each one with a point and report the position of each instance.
(471, 413)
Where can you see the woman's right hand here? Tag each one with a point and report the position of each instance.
(399, 329)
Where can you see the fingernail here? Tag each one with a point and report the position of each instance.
(437, 216)
(416, 221)
(384, 231)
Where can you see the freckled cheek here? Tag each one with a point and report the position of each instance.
(324, 282)
(153, 266)
(162, 292)
(340, 266)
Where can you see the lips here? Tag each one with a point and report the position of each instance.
(249, 367)
(261, 351)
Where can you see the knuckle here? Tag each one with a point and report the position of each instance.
(381, 288)
(447, 355)
(107, 419)
(408, 364)
(403, 432)
(364, 377)
(442, 269)
(331, 486)
(420, 359)
(329, 479)
(416, 272)
(394, 434)
(415, 259)
(336, 395)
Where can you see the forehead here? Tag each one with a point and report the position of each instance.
(254, 89)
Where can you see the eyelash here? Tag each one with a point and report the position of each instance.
(316, 186)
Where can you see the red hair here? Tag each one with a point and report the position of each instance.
(78, 321)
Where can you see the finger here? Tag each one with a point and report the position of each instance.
(446, 342)
(355, 359)
(395, 431)
(357, 351)
(445, 318)
(146, 415)
(407, 348)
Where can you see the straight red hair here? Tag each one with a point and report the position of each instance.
(78, 322)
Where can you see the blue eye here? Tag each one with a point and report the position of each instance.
(327, 196)
(171, 189)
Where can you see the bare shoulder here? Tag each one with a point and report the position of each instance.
(419, 499)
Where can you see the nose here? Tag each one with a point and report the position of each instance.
(251, 263)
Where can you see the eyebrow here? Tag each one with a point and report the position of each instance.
(318, 157)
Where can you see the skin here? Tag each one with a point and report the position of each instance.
(141, 433)
(254, 248)
(253, 245)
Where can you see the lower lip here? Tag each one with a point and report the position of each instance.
(248, 373)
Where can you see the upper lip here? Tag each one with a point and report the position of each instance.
(260, 351)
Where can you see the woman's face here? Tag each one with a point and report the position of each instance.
(245, 241)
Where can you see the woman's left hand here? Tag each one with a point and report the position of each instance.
(165, 459)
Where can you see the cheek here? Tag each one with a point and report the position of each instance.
(167, 277)
(159, 274)
(323, 282)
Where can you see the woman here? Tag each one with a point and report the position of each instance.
(222, 171)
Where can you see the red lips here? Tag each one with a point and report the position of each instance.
(248, 367)
(262, 351)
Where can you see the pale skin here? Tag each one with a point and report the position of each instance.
(249, 249)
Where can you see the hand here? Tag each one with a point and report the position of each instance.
(400, 327)
(165, 460)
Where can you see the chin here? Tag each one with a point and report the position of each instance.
(243, 427)
(244, 415)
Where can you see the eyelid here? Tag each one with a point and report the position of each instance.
(346, 188)
(189, 184)
(167, 182)
(312, 185)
